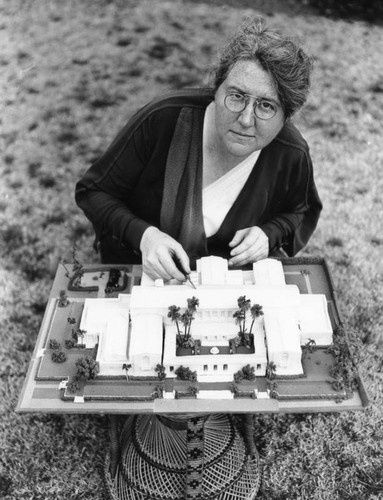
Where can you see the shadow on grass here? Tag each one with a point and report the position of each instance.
(370, 11)
(269, 7)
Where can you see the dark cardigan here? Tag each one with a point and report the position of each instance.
(122, 192)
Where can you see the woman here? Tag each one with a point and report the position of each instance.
(219, 171)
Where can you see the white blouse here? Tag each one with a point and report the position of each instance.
(218, 197)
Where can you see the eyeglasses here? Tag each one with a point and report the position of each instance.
(263, 108)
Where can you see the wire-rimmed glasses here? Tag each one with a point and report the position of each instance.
(263, 108)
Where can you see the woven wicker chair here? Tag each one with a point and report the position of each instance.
(182, 457)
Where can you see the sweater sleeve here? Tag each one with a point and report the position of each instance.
(104, 191)
(295, 216)
(121, 193)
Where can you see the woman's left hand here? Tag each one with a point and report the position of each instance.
(249, 245)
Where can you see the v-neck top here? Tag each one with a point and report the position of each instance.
(219, 196)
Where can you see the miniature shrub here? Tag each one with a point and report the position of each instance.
(274, 394)
(337, 385)
(63, 299)
(272, 385)
(233, 344)
(248, 372)
(245, 373)
(73, 386)
(193, 390)
(54, 344)
(58, 356)
(238, 376)
(234, 389)
(181, 342)
(69, 343)
(87, 368)
(158, 392)
(344, 368)
(184, 373)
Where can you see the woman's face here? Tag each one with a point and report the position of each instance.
(241, 133)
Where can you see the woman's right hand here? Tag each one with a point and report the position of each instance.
(159, 252)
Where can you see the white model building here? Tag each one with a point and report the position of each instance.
(106, 322)
(290, 320)
(283, 340)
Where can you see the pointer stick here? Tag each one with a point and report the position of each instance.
(181, 269)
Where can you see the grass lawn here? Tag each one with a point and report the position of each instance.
(71, 74)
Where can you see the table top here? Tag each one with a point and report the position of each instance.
(44, 395)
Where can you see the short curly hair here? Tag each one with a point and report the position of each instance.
(280, 55)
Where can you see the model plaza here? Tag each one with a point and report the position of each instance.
(135, 329)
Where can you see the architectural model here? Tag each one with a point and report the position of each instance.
(135, 329)
(271, 334)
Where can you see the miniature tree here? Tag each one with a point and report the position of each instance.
(87, 368)
(310, 345)
(256, 312)
(64, 263)
(175, 315)
(71, 321)
(271, 369)
(240, 316)
(77, 266)
(126, 367)
(76, 334)
(160, 370)
(305, 272)
(184, 339)
(272, 384)
(80, 334)
(63, 299)
(193, 303)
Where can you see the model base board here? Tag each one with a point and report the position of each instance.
(315, 372)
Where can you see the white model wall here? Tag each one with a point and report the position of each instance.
(314, 319)
(268, 272)
(145, 343)
(283, 341)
